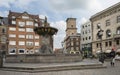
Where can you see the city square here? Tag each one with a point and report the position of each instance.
(59, 37)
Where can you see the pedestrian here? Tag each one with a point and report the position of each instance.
(113, 61)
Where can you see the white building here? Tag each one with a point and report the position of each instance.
(86, 38)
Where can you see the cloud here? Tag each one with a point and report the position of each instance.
(64, 5)
(4, 13)
(6, 3)
(59, 37)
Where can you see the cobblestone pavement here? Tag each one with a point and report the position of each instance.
(103, 71)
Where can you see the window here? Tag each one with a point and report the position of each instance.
(106, 44)
(83, 26)
(29, 36)
(21, 24)
(21, 43)
(108, 33)
(21, 51)
(12, 29)
(118, 19)
(71, 43)
(110, 43)
(21, 29)
(13, 17)
(28, 43)
(36, 43)
(36, 24)
(89, 37)
(21, 36)
(97, 45)
(29, 29)
(117, 42)
(71, 25)
(118, 30)
(86, 38)
(12, 35)
(31, 51)
(3, 30)
(77, 43)
(25, 17)
(83, 39)
(12, 51)
(36, 37)
(107, 22)
(12, 42)
(29, 23)
(13, 22)
(83, 32)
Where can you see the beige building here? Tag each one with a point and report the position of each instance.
(21, 36)
(3, 34)
(72, 39)
(109, 21)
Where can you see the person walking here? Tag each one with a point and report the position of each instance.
(113, 61)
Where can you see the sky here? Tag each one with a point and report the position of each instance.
(57, 11)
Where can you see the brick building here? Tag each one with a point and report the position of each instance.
(21, 37)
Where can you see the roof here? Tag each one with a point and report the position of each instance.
(17, 14)
(109, 8)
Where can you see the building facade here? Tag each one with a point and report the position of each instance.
(3, 34)
(72, 39)
(21, 36)
(109, 21)
(86, 39)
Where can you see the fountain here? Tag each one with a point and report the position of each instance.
(46, 32)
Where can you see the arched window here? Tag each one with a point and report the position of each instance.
(108, 33)
(118, 30)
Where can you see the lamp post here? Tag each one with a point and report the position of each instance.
(100, 34)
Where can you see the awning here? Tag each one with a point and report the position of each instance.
(107, 51)
(118, 50)
(98, 51)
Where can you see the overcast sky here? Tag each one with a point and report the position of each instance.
(57, 11)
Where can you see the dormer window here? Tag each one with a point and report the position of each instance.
(13, 22)
(25, 17)
(13, 17)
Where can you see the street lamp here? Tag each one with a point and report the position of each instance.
(100, 34)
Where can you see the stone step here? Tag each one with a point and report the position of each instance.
(53, 68)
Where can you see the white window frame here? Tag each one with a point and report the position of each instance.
(12, 29)
(31, 52)
(12, 35)
(21, 36)
(12, 42)
(36, 43)
(29, 29)
(11, 50)
(13, 22)
(21, 23)
(21, 29)
(30, 23)
(36, 37)
(29, 43)
(21, 43)
(19, 51)
(25, 17)
(29, 36)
